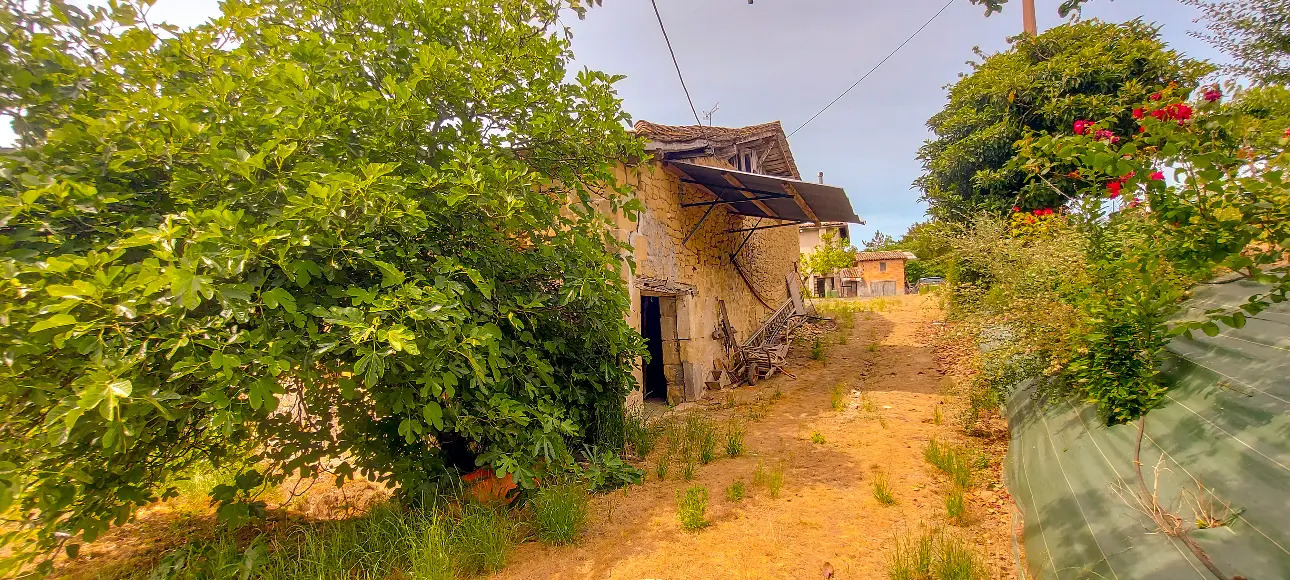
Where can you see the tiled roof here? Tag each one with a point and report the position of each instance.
(780, 163)
(674, 133)
(890, 255)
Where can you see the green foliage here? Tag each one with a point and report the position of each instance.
(1253, 34)
(480, 540)
(412, 544)
(934, 555)
(817, 439)
(1226, 208)
(662, 464)
(735, 438)
(956, 462)
(772, 479)
(605, 469)
(1088, 69)
(830, 255)
(817, 348)
(640, 433)
(882, 489)
(700, 438)
(218, 559)
(880, 242)
(691, 506)
(736, 491)
(560, 512)
(379, 214)
(837, 399)
(956, 506)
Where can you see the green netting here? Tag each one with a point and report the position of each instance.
(1224, 424)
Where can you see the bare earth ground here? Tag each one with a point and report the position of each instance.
(826, 512)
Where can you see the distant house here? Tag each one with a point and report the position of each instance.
(810, 237)
(721, 210)
(876, 274)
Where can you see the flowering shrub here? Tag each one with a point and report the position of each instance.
(1226, 208)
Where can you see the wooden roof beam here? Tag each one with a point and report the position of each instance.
(801, 203)
(732, 180)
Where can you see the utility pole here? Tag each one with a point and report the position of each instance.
(1028, 17)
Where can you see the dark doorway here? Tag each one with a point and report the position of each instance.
(652, 330)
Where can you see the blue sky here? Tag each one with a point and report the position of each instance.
(785, 59)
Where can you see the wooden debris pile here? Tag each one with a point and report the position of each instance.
(763, 353)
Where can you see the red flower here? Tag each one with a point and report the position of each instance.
(1138, 113)
(1287, 132)
(1134, 202)
(1155, 96)
(1181, 111)
(1213, 94)
(1015, 209)
(1158, 176)
(1142, 129)
(1082, 126)
(1114, 188)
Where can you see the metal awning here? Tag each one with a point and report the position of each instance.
(767, 196)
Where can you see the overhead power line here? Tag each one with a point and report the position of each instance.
(674, 63)
(875, 67)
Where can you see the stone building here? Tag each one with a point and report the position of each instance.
(878, 273)
(718, 233)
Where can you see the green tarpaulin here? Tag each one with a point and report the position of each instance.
(1224, 426)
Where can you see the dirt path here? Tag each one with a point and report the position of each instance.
(826, 512)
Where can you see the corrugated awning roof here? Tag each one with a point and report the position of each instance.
(769, 196)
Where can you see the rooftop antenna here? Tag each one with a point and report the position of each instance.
(708, 113)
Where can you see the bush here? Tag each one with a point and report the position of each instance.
(691, 506)
(358, 235)
(560, 512)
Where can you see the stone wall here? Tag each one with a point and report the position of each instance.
(700, 272)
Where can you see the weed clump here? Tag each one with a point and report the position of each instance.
(734, 438)
(817, 349)
(480, 540)
(691, 506)
(957, 462)
(956, 506)
(639, 433)
(882, 489)
(838, 399)
(560, 512)
(934, 554)
(736, 491)
(771, 479)
(817, 439)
